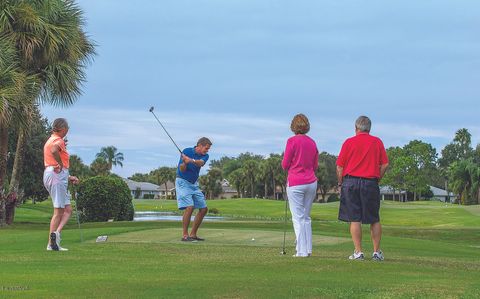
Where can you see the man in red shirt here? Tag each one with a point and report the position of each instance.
(361, 164)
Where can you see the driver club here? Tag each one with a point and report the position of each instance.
(151, 110)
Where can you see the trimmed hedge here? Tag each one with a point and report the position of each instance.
(101, 198)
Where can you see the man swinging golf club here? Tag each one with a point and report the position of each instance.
(189, 195)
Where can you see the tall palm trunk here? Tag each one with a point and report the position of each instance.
(266, 189)
(3, 169)
(16, 172)
(166, 190)
(18, 162)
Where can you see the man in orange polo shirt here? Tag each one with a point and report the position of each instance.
(55, 180)
(361, 164)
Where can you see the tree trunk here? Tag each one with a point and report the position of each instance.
(3, 170)
(18, 162)
(253, 189)
(166, 191)
(266, 190)
(274, 188)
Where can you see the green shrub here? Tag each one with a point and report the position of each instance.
(213, 211)
(101, 198)
(148, 196)
(332, 198)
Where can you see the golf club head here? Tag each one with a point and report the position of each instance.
(283, 252)
(151, 109)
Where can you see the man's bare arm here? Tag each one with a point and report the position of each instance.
(339, 175)
(383, 169)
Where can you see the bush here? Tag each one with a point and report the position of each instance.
(148, 196)
(213, 211)
(102, 198)
(332, 198)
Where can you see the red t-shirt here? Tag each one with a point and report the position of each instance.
(362, 155)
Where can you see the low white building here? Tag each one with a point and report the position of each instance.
(442, 195)
(140, 189)
(387, 192)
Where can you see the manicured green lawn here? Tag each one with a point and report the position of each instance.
(432, 250)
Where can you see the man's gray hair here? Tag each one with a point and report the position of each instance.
(363, 124)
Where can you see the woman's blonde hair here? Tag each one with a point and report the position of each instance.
(300, 124)
(58, 124)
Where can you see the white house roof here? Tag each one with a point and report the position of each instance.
(389, 190)
(143, 186)
(439, 192)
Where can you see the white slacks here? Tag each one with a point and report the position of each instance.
(300, 199)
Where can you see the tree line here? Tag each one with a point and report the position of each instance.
(413, 168)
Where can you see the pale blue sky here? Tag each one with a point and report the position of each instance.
(237, 71)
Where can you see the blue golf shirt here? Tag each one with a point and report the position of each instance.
(192, 172)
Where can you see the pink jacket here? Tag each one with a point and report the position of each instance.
(300, 160)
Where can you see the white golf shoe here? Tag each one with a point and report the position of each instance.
(378, 256)
(357, 256)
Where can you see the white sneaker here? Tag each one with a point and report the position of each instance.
(378, 256)
(49, 248)
(357, 256)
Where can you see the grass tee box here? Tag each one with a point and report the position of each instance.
(432, 251)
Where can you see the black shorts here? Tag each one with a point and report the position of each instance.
(359, 200)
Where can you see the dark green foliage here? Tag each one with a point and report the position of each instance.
(102, 198)
(326, 173)
(148, 196)
(138, 192)
(213, 211)
(333, 197)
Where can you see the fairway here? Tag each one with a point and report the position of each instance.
(147, 259)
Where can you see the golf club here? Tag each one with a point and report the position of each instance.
(151, 110)
(74, 197)
(283, 252)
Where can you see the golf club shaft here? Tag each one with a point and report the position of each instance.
(285, 225)
(151, 110)
(74, 197)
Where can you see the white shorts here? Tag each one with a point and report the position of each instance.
(57, 186)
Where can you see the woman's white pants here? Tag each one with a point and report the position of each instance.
(300, 199)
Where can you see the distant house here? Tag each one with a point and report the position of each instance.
(388, 193)
(140, 189)
(442, 195)
(169, 191)
(227, 190)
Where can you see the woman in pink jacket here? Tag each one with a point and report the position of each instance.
(301, 162)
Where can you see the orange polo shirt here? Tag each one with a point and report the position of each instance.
(48, 158)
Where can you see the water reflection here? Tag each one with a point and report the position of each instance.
(167, 216)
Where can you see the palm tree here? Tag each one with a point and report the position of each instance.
(111, 155)
(237, 178)
(464, 178)
(164, 175)
(250, 168)
(52, 51)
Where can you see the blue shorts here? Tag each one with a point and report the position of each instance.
(189, 195)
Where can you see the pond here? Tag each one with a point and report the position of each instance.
(168, 216)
